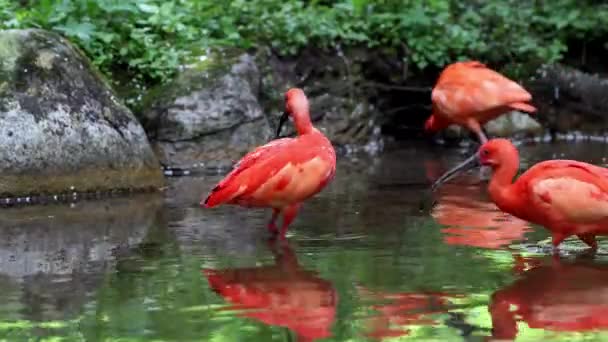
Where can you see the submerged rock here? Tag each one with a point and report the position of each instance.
(210, 115)
(513, 124)
(61, 127)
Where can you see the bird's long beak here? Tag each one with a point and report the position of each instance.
(281, 122)
(471, 163)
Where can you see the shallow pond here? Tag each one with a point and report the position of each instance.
(367, 259)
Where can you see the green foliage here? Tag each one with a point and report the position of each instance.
(151, 38)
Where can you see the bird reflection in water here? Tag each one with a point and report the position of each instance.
(283, 294)
(552, 294)
(395, 311)
(471, 218)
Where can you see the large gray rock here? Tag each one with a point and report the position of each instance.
(210, 115)
(61, 127)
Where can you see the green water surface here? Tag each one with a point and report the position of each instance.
(371, 258)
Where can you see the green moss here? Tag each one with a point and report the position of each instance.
(84, 180)
(202, 72)
(9, 53)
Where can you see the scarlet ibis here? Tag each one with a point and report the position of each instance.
(567, 197)
(283, 294)
(470, 94)
(557, 296)
(282, 173)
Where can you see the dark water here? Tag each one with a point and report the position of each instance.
(367, 259)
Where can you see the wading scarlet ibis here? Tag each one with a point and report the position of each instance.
(469, 94)
(567, 197)
(282, 173)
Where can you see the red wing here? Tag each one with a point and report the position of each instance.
(560, 168)
(257, 168)
(260, 153)
(466, 89)
(564, 164)
(256, 156)
(577, 191)
(505, 90)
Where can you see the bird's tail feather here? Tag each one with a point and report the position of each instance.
(524, 107)
(220, 195)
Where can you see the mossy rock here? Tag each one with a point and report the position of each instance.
(210, 114)
(61, 126)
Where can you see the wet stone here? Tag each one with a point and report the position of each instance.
(61, 124)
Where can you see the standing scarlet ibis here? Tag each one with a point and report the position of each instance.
(567, 197)
(557, 296)
(282, 173)
(469, 94)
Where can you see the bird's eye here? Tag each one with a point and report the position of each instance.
(485, 153)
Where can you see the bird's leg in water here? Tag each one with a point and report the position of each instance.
(474, 126)
(272, 227)
(557, 239)
(589, 239)
(289, 214)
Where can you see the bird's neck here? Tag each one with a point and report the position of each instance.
(501, 187)
(302, 122)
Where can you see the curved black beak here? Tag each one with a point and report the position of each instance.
(281, 122)
(471, 163)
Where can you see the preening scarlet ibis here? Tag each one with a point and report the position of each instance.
(567, 197)
(470, 94)
(283, 173)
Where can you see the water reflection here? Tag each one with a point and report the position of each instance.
(283, 294)
(471, 217)
(53, 258)
(552, 294)
(118, 269)
(397, 311)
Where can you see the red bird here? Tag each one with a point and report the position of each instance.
(469, 94)
(567, 197)
(282, 173)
